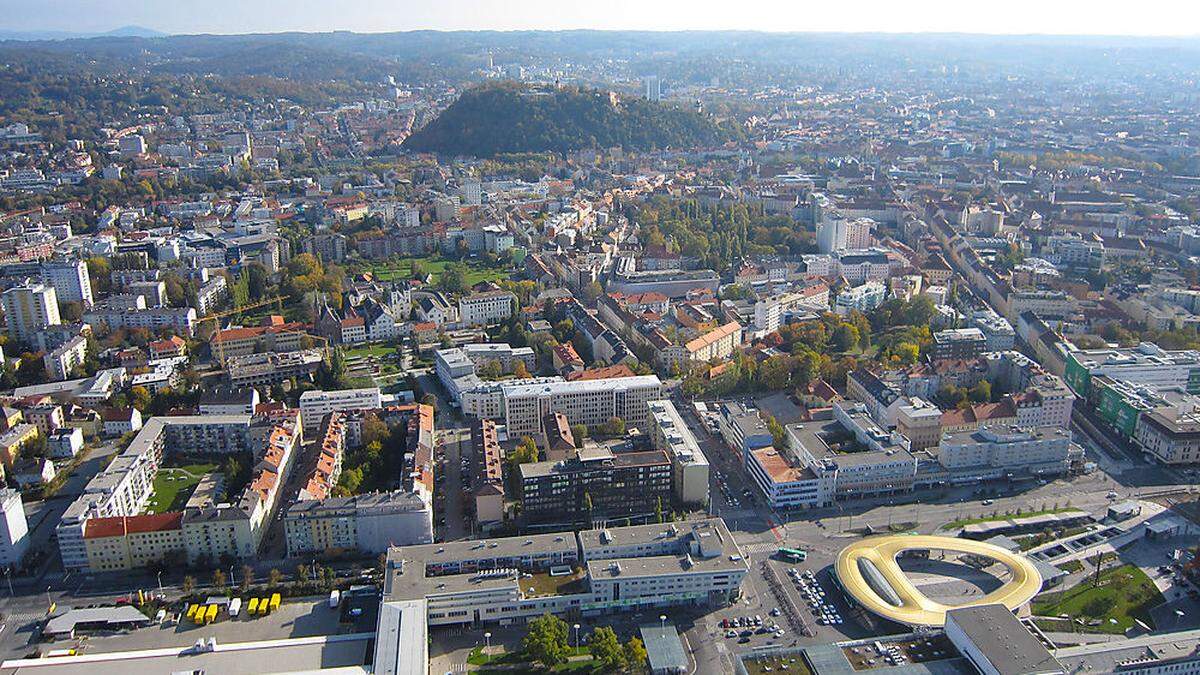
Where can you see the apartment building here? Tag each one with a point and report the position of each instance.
(61, 361)
(180, 319)
(485, 309)
(1006, 449)
(273, 336)
(689, 467)
(316, 404)
(487, 482)
(590, 402)
(29, 309)
(14, 531)
(369, 523)
(1170, 435)
(264, 370)
(596, 484)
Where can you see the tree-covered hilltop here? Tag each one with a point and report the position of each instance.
(510, 118)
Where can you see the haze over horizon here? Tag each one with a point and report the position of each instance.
(1019, 17)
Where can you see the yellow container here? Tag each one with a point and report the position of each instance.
(253, 606)
(275, 599)
(191, 612)
(210, 614)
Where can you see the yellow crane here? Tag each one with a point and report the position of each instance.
(216, 316)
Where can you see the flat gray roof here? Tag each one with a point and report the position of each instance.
(664, 648)
(248, 658)
(1003, 640)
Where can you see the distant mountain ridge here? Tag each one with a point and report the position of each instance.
(510, 118)
(35, 35)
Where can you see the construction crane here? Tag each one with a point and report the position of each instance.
(216, 316)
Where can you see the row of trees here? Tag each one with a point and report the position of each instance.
(547, 642)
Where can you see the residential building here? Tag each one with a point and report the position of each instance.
(368, 523)
(14, 531)
(487, 483)
(64, 443)
(316, 404)
(264, 370)
(29, 309)
(229, 401)
(838, 234)
(689, 467)
(64, 359)
(485, 309)
(883, 401)
(921, 423)
(590, 402)
(1170, 435)
(1007, 450)
(862, 298)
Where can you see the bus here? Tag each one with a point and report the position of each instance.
(792, 555)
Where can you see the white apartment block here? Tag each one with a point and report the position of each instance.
(1006, 448)
(482, 309)
(70, 280)
(29, 309)
(316, 404)
(14, 531)
(689, 466)
(838, 234)
(62, 360)
(590, 402)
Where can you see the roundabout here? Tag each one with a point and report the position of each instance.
(869, 573)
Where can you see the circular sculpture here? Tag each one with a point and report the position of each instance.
(868, 571)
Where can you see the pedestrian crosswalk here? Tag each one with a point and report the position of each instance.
(759, 547)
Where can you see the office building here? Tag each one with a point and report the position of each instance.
(596, 484)
(742, 428)
(589, 573)
(1147, 364)
(958, 343)
(862, 298)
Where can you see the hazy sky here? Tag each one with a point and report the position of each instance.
(1111, 17)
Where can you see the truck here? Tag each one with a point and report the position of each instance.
(235, 607)
(335, 598)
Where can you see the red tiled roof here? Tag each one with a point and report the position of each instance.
(118, 526)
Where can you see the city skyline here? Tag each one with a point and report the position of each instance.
(1022, 17)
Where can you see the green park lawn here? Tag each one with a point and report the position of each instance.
(963, 522)
(378, 351)
(1123, 594)
(401, 268)
(173, 486)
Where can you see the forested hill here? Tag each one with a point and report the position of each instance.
(509, 118)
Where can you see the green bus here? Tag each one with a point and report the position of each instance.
(792, 555)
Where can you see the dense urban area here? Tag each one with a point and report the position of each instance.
(595, 352)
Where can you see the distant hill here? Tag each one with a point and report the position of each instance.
(509, 118)
(33, 35)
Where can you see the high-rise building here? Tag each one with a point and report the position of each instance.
(653, 88)
(14, 539)
(29, 309)
(70, 280)
(839, 234)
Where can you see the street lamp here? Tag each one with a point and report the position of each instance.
(576, 637)
(662, 624)
(8, 576)
(159, 575)
(48, 601)
(487, 651)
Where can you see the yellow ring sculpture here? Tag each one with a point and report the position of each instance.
(875, 557)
